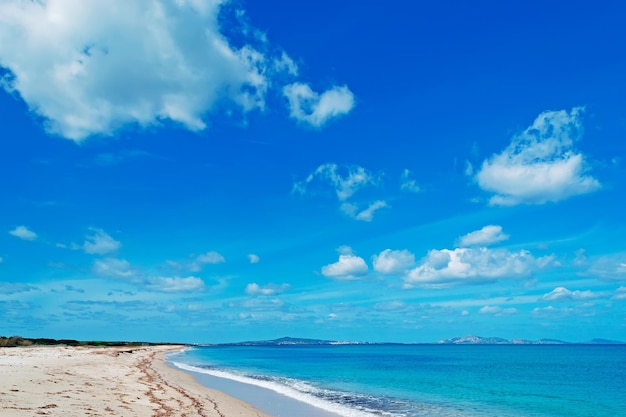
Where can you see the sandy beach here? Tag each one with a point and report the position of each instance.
(89, 381)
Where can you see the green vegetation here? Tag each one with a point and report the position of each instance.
(15, 341)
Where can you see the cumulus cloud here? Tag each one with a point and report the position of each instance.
(211, 257)
(316, 109)
(114, 268)
(100, 243)
(345, 180)
(563, 294)
(540, 164)
(198, 262)
(122, 269)
(393, 261)
(83, 78)
(407, 183)
(254, 259)
(497, 311)
(449, 267)
(23, 233)
(269, 289)
(174, 284)
(483, 237)
(348, 267)
(365, 215)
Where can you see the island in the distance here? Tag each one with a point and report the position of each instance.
(293, 341)
(465, 340)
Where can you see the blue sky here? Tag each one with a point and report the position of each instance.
(214, 171)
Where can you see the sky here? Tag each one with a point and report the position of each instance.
(207, 171)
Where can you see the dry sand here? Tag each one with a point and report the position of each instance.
(82, 381)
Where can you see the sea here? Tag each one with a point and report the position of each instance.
(419, 380)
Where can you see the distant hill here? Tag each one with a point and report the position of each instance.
(604, 342)
(464, 340)
(284, 341)
(474, 340)
(291, 341)
(478, 340)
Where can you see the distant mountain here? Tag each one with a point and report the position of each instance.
(550, 342)
(477, 340)
(604, 342)
(474, 340)
(291, 341)
(464, 340)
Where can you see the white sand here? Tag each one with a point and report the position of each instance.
(82, 381)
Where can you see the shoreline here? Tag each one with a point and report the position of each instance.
(275, 402)
(93, 381)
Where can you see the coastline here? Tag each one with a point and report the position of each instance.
(274, 401)
(93, 381)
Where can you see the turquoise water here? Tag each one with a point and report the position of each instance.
(432, 380)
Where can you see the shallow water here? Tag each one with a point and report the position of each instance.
(431, 380)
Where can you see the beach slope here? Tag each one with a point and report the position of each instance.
(89, 381)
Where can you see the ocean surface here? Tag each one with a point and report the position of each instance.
(427, 380)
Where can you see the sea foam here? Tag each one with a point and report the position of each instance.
(292, 388)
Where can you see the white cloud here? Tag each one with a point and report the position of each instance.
(122, 269)
(269, 289)
(345, 180)
(497, 311)
(348, 267)
(563, 294)
(620, 294)
(23, 233)
(540, 164)
(612, 267)
(449, 267)
(210, 257)
(286, 64)
(114, 268)
(174, 284)
(483, 237)
(393, 261)
(84, 78)
(196, 265)
(366, 215)
(253, 259)
(551, 312)
(407, 183)
(316, 109)
(100, 243)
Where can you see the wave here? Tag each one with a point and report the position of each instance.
(346, 404)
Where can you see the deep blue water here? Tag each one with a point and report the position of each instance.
(433, 380)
